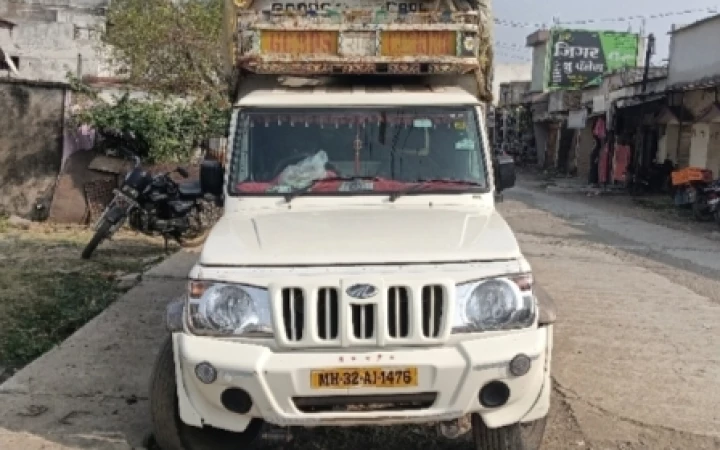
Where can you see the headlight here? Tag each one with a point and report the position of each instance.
(229, 309)
(495, 304)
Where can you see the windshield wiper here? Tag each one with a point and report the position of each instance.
(423, 182)
(291, 195)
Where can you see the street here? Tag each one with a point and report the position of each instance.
(636, 362)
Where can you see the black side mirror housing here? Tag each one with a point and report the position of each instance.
(504, 172)
(212, 178)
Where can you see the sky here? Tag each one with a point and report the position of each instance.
(510, 40)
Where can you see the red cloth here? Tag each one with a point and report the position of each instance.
(621, 159)
(381, 185)
(599, 128)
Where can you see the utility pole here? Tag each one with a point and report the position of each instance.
(649, 51)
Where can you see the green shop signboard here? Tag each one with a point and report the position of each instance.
(580, 57)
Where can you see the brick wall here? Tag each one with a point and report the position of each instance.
(31, 136)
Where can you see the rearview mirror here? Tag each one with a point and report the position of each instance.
(212, 178)
(504, 172)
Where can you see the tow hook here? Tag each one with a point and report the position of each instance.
(453, 429)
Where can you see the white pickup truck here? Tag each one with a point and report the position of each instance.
(360, 275)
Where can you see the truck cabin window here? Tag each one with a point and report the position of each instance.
(342, 151)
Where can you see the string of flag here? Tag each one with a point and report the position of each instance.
(512, 56)
(511, 46)
(659, 15)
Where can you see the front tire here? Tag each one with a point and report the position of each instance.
(170, 432)
(102, 232)
(525, 436)
(701, 212)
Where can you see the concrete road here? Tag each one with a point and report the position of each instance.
(637, 356)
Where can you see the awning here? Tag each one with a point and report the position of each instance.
(711, 115)
(673, 115)
(638, 100)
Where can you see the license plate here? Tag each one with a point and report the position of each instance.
(363, 377)
(299, 42)
(418, 43)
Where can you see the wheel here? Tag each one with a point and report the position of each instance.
(103, 230)
(170, 432)
(701, 212)
(525, 436)
(202, 218)
(717, 216)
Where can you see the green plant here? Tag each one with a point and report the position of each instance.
(170, 47)
(171, 129)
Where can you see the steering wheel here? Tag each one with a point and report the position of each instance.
(294, 159)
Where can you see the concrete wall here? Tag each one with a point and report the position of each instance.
(539, 58)
(583, 150)
(504, 73)
(694, 52)
(699, 144)
(31, 141)
(713, 161)
(53, 38)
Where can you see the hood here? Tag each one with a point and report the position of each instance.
(359, 236)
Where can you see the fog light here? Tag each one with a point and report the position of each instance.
(236, 400)
(494, 394)
(520, 365)
(206, 373)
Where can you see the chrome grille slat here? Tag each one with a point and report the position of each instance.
(398, 312)
(433, 308)
(293, 311)
(328, 313)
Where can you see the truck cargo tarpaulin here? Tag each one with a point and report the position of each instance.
(581, 57)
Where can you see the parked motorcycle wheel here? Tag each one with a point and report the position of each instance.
(701, 212)
(102, 232)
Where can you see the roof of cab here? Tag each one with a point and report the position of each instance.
(309, 96)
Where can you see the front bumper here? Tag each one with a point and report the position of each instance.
(454, 373)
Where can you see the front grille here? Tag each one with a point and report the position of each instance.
(398, 311)
(363, 321)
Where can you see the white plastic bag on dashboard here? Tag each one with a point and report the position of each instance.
(300, 175)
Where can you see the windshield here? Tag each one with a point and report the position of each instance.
(357, 151)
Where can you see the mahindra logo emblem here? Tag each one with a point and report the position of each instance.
(362, 291)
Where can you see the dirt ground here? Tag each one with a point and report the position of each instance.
(48, 291)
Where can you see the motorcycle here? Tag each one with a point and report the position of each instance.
(713, 202)
(155, 205)
(705, 201)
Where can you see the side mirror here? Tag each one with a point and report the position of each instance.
(504, 172)
(212, 178)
